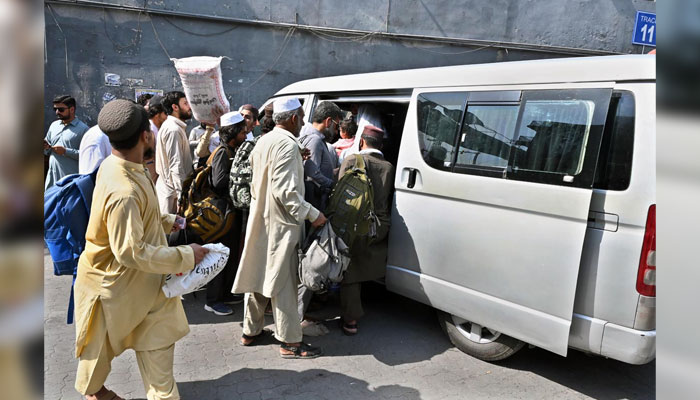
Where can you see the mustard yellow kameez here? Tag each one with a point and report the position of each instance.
(119, 303)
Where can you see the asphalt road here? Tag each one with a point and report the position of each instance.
(400, 353)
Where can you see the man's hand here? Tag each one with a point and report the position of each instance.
(305, 154)
(319, 221)
(199, 253)
(178, 224)
(46, 145)
(60, 150)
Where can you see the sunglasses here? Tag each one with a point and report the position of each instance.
(60, 109)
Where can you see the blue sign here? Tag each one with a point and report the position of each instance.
(645, 29)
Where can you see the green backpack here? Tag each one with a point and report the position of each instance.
(350, 207)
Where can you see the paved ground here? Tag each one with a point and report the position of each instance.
(400, 353)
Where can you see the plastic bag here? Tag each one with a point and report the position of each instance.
(204, 88)
(213, 263)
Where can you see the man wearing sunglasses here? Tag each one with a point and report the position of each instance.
(62, 141)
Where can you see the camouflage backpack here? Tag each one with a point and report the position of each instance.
(241, 175)
(350, 207)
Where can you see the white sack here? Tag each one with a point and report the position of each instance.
(204, 88)
(205, 271)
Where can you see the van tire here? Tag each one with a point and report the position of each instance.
(500, 348)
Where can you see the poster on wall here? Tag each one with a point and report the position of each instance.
(140, 91)
(112, 79)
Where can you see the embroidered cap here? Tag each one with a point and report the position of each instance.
(285, 104)
(231, 118)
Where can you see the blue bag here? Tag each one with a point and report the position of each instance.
(66, 214)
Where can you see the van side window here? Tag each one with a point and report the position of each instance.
(439, 117)
(487, 136)
(553, 135)
(550, 136)
(615, 161)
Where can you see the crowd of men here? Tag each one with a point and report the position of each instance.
(135, 237)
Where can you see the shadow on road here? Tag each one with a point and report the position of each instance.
(594, 376)
(290, 385)
(394, 330)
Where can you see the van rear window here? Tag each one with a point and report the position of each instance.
(615, 161)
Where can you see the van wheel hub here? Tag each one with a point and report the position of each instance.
(475, 332)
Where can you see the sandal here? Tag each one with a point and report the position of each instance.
(348, 329)
(256, 339)
(110, 395)
(303, 350)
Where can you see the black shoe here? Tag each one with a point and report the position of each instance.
(233, 299)
(219, 309)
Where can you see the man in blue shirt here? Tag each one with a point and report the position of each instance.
(62, 141)
(319, 169)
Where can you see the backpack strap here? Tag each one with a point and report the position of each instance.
(360, 164)
(211, 156)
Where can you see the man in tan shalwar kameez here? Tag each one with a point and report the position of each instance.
(268, 268)
(119, 303)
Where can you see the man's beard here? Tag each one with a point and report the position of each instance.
(187, 116)
(149, 153)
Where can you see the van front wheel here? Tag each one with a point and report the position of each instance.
(478, 341)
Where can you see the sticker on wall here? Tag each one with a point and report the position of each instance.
(112, 79)
(155, 92)
(107, 97)
(131, 82)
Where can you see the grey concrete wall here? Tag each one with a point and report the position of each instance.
(83, 43)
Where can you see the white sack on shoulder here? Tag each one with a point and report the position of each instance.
(205, 271)
(204, 88)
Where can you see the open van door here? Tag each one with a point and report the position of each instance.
(493, 189)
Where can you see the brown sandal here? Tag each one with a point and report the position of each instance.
(110, 395)
(302, 350)
(256, 339)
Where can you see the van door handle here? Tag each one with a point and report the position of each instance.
(412, 172)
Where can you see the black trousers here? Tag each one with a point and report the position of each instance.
(219, 288)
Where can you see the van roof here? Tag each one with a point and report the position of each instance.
(558, 70)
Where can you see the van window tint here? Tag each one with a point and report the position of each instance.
(487, 136)
(615, 161)
(553, 136)
(439, 117)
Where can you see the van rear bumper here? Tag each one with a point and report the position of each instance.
(628, 345)
(604, 338)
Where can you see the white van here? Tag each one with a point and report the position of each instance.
(524, 208)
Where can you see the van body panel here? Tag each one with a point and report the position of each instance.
(545, 330)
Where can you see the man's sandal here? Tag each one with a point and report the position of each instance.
(110, 395)
(348, 329)
(247, 340)
(303, 350)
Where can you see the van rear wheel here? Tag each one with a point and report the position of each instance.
(478, 341)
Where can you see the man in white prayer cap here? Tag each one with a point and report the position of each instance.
(232, 134)
(268, 268)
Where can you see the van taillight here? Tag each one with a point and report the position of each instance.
(646, 277)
